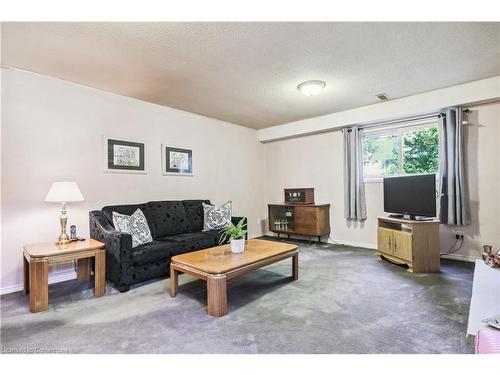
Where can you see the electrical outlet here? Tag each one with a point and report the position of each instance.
(459, 236)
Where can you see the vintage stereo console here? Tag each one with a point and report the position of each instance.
(299, 196)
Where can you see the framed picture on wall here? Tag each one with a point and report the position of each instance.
(124, 156)
(176, 161)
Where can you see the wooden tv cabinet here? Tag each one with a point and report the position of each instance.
(311, 220)
(411, 242)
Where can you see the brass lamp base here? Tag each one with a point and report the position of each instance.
(63, 240)
(63, 237)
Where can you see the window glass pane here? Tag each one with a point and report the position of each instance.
(420, 150)
(380, 155)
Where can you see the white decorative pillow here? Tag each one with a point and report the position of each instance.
(216, 218)
(121, 222)
(135, 225)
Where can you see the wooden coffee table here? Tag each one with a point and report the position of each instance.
(217, 265)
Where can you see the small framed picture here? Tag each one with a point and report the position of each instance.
(124, 156)
(176, 161)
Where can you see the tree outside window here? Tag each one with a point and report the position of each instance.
(412, 150)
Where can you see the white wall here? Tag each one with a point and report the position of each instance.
(52, 130)
(316, 161)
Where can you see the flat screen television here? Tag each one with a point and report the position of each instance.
(410, 195)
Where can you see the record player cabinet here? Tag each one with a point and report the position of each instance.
(311, 220)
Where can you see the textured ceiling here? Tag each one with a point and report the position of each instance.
(247, 73)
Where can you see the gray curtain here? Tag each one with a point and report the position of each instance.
(354, 186)
(454, 195)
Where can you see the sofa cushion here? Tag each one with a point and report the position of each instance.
(168, 218)
(187, 242)
(135, 225)
(156, 251)
(194, 213)
(216, 217)
(125, 209)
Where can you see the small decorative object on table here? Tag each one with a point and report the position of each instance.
(72, 232)
(492, 260)
(73, 236)
(236, 234)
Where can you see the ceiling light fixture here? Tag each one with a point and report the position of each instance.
(311, 88)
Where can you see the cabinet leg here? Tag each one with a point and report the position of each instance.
(295, 266)
(100, 273)
(39, 286)
(319, 239)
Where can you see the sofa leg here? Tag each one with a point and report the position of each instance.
(123, 288)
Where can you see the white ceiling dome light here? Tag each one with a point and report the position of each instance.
(311, 88)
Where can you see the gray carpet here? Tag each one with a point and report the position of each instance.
(345, 301)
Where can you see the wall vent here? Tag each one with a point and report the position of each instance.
(382, 97)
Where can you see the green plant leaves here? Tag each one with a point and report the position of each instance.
(233, 232)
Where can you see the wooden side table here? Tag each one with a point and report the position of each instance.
(36, 260)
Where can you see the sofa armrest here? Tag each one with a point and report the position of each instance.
(236, 219)
(118, 244)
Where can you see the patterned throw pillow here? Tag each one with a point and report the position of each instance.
(216, 218)
(135, 225)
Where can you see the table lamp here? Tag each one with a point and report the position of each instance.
(64, 192)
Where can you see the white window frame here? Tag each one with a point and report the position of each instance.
(399, 129)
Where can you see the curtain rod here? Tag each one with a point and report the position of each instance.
(401, 119)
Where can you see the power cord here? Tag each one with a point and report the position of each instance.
(451, 251)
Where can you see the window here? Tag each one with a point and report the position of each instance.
(398, 151)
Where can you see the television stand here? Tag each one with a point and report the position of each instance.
(411, 242)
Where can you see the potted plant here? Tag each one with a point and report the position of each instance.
(236, 234)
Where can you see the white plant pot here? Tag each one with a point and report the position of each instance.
(237, 246)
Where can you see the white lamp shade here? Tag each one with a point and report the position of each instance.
(64, 191)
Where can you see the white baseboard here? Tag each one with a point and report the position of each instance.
(54, 278)
(465, 258)
(365, 245)
(338, 242)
